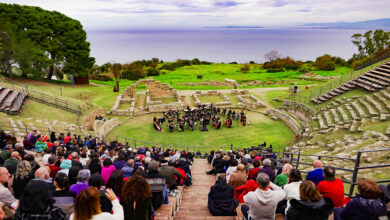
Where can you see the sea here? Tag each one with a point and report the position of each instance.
(219, 44)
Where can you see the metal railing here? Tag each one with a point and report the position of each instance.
(297, 159)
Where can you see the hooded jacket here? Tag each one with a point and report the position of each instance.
(302, 210)
(262, 204)
(221, 200)
(361, 208)
(241, 191)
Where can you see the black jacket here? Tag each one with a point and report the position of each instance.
(156, 183)
(219, 165)
(301, 210)
(221, 200)
(361, 208)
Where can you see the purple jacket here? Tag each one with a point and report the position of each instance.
(78, 187)
(269, 171)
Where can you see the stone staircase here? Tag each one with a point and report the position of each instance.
(11, 101)
(351, 113)
(373, 80)
(194, 202)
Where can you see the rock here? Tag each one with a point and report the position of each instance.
(301, 144)
(375, 134)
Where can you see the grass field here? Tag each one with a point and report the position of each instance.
(259, 129)
(220, 72)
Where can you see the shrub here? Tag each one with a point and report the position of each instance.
(292, 67)
(205, 63)
(199, 76)
(325, 62)
(195, 61)
(168, 66)
(329, 66)
(252, 62)
(233, 63)
(133, 74)
(245, 68)
(152, 72)
(101, 78)
(275, 70)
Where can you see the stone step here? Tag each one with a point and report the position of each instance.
(376, 104)
(382, 100)
(336, 116)
(357, 107)
(385, 94)
(328, 119)
(321, 122)
(354, 115)
(343, 114)
(371, 110)
(355, 126)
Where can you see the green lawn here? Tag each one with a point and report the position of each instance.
(259, 129)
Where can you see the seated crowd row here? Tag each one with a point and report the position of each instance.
(65, 177)
(272, 189)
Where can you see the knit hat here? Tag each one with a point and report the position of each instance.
(127, 171)
(164, 162)
(66, 164)
(152, 165)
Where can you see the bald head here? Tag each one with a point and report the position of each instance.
(15, 155)
(42, 173)
(317, 164)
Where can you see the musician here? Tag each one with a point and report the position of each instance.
(171, 125)
(203, 122)
(229, 113)
(224, 112)
(217, 124)
(181, 124)
(228, 122)
(234, 115)
(243, 120)
(190, 124)
(156, 124)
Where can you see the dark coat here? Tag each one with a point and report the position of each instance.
(156, 183)
(302, 210)
(268, 170)
(221, 200)
(361, 208)
(219, 164)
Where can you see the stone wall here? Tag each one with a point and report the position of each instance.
(225, 104)
(249, 102)
(288, 120)
(226, 83)
(102, 128)
(298, 106)
(157, 89)
(90, 119)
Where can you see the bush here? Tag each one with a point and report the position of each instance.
(292, 67)
(205, 63)
(251, 62)
(245, 67)
(233, 63)
(133, 74)
(195, 61)
(152, 72)
(168, 66)
(102, 78)
(275, 70)
(304, 70)
(199, 76)
(329, 66)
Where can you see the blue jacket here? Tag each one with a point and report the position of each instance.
(315, 176)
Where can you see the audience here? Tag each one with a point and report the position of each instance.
(317, 174)
(5, 194)
(12, 162)
(253, 172)
(292, 188)
(221, 200)
(169, 173)
(157, 185)
(281, 179)
(82, 181)
(107, 169)
(268, 170)
(24, 174)
(62, 196)
(332, 187)
(239, 177)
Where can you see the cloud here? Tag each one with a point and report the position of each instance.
(100, 14)
(226, 4)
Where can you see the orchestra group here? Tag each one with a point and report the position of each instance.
(203, 115)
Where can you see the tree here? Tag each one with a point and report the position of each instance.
(116, 71)
(245, 67)
(325, 62)
(357, 41)
(152, 72)
(272, 55)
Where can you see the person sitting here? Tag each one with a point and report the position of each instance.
(156, 124)
(292, 188)
(221, 200)
(137, 198)
(169, 173)
(317, 174)
(261, 204)
(82, 181)
(366, 204)
(332, 187)
(386, 196)
(228, 122)
(311, 205)
(36, 203)
(232, 168)
(252, 172)
(87, 206)
(218, 165)
(6, 196)
(281, 179)
(63, 197)
(157, 185)
(268, 170)
(12, 162)
(239, 177)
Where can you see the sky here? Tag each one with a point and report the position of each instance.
(126, 14)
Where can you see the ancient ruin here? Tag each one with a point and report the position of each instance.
(247, 100)
(225, 104)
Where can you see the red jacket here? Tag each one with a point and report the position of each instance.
(183, 175)
(241, 191)
(252, 172)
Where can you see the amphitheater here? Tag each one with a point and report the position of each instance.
(338, 132)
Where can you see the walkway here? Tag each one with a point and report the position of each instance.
(194, 202)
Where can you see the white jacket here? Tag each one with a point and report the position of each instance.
(262, 204)
(292, 192)
(117, 210)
